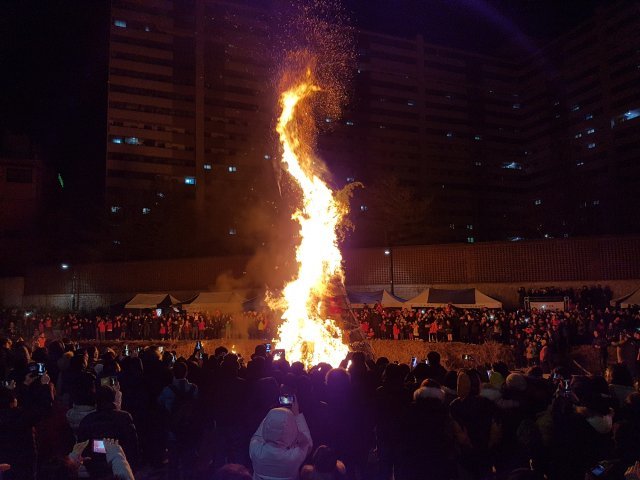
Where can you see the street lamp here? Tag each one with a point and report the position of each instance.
(75, 297)
(389, 253)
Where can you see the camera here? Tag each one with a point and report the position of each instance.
(286, 399)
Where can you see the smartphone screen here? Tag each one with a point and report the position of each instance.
(41, 369)
(286, 400)
(98, 446)
(598, 470)
(268, 347)
(414, 362)
(198, 345)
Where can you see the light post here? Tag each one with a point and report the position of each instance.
(75, 300)
(389, 253)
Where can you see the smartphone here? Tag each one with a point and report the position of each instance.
(198, 355)
(98, 447)
(598, 470)
(109, 381)
(267, 346)
(414, 362)
(198, 345)
(41, 369)
(278, 354)
(286, 399)
(125, 351)
(489, 372)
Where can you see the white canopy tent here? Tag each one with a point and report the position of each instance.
(151, 300)
(628, 300)
(209, 302)
(465, 298)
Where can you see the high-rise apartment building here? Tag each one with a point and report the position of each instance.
(502, 146)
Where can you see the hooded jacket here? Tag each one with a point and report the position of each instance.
(280, 445)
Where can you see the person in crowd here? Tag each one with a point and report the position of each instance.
(324, 466)
(108, 421)
(178, 400)
(280, 445)
(17, 441)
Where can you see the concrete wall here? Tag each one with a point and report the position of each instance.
(11, 291)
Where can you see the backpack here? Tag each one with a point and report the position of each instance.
(182, 417)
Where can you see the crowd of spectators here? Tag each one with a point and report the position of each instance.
(143, 325)
(534, 334)
(69, 413)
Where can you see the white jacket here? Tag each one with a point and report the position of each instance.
(280, 445)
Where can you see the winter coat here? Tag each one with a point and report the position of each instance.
(280, 445)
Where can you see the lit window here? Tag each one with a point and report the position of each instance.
(590, 131)
(232, 169)
(575, 108)
(146, 211)
(232, 231)
(411, 103)
(350, 179)
(363, 208)
(470, 239)
(591, 145)
(117, 140)
(578, 135)
(537, 202)
(469, 226)
(349, 122)
(207, 166)
(596, 202)
(452, 226)
(477, 137)
(449, 134)
(190, 180)
(120, 23)
(512, 165)
(115, 209)
(589, 117)
(516, 106)
(132, 141)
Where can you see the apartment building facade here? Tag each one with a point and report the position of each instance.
(503, 146)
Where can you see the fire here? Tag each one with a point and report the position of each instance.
(305, 335)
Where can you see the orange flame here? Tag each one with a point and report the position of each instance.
(305, 335)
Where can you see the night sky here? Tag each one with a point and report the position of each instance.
(53, 55)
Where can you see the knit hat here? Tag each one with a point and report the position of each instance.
(496, 379)
(517, 382)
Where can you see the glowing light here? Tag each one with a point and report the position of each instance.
(306, 334)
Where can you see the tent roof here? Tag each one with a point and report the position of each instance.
(151, 300)
(628, 300)
(464, 298)
(384, 298)
(208, 301)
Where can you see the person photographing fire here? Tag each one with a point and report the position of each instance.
(281, 443)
